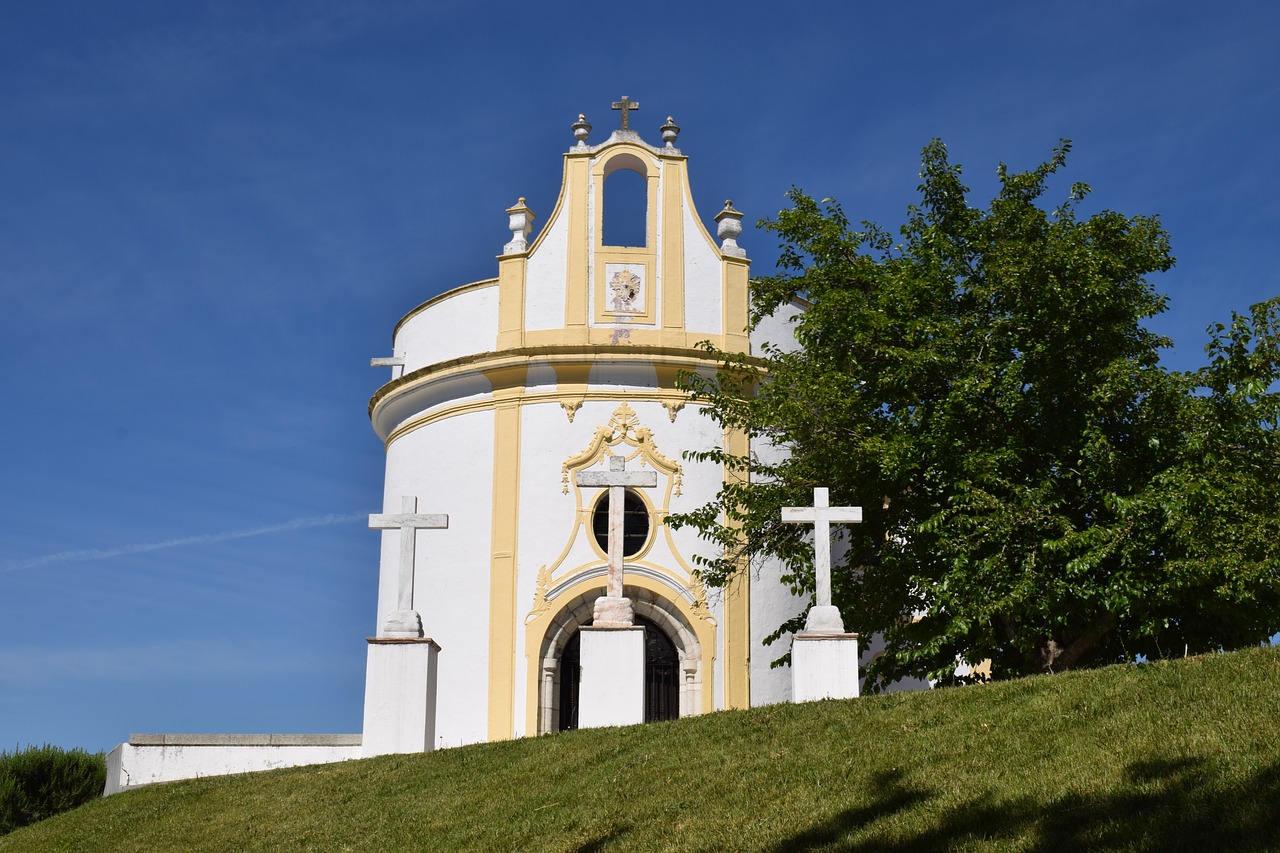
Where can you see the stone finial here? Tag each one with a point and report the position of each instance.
(670, 131)
(729, 226)
(581, 130)
(521, 223)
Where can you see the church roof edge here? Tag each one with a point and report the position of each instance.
(440, 297)
(620, 137)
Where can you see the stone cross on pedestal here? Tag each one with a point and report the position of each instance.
(824, 618)
(612, 610)
(404, 621)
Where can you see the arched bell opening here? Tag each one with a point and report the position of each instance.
(673, 661)
(625, 217)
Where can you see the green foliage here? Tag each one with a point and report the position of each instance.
(39, 782)
(1175, 755)
(1038, 490)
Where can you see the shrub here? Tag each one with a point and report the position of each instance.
(38, 782)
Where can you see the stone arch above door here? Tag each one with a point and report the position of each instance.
(695, 656)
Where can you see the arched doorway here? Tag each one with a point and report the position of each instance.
(661, 676)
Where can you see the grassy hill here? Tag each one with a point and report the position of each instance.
(1168, 756)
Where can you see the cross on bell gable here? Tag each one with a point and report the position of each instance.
(626, 105)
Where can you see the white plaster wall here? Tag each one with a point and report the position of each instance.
(691, 431)
(703, 287)
(778, 329)
(772, 603)
(463, 324)
(547, 276)
(130, 766)
(448, 465)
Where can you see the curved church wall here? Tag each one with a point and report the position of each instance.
(448, 466)
(460, 322)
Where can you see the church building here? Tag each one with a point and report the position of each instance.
(506, 389)
(510, 401)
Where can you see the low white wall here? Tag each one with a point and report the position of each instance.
(148, 759)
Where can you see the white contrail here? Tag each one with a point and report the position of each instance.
(105, 553)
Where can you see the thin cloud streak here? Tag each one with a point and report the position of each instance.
(89, 554)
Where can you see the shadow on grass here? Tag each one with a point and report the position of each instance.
(892, 796)
(1162, 805)
(602, 842)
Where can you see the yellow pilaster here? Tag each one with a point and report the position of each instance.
(737, 612)
(736, 301)
(673, 250)
(511, 283)
(577, 179)
(502, 565)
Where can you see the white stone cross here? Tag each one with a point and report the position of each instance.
(613, 610)
(404, 620)
(823, 617)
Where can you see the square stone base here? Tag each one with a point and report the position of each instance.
(611, 692)
(400, 695)
(824, 666)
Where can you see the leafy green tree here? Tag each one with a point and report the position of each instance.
(1038, 490)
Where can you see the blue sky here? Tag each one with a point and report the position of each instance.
(213, 213)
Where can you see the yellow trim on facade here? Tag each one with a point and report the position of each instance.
(634, 261)
(512, 271)
(631, 157)
(502, 565)
(737, 610)
(736, 304)
(577, 277)
(487, 404)
(674, 185)
(557, 356)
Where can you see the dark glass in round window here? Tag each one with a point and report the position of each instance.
(635, 523)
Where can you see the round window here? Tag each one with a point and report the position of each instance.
(635, 523)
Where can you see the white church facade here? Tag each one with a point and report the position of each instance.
(505, 396)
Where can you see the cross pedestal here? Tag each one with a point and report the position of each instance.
(824, 666)
(611, 692)
(824, 659)
(400, 695)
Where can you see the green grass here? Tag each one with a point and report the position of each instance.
(1167, 756)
